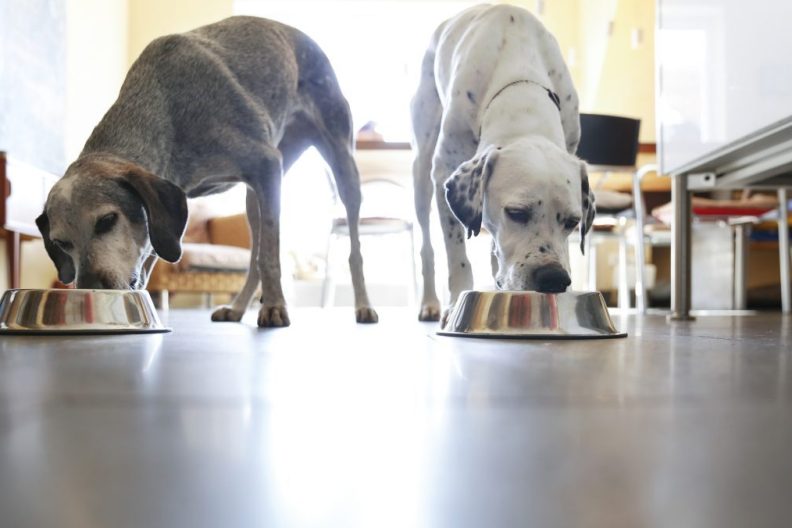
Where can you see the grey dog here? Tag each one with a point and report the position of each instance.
(235, 101)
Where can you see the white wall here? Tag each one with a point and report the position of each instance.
(149, 19)
(726, 72)
(96, 65)
(96, 42)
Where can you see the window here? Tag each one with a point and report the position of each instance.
(375, 47)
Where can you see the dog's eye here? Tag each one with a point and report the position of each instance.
(521, 216)
(571, 223)
(65, 246)
(106, 223)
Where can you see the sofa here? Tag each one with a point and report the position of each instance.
(215, 259)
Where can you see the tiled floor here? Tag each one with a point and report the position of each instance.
(328, 423)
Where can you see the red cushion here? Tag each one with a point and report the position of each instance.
(725, 210)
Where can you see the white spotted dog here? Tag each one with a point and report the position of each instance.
(496, 125)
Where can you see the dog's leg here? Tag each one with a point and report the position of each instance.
(265, 180)
(239, 305)
(292, 146)
(347, 178)
(333, 123)
(426, 112)
(448, 156)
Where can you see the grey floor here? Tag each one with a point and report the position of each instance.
(328, 423)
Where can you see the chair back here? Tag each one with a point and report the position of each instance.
(610, 141)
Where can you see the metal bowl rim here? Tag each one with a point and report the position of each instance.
(472, 327)
(141, 299)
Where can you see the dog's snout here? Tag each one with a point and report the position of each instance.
(91, 281)
(551, 278)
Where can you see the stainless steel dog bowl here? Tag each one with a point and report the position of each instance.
(527, 314)
(78, 312)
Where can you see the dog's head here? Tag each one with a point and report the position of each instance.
(104, 219)
(530, 195)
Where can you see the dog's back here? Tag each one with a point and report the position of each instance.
(228, 86)
(500, 44)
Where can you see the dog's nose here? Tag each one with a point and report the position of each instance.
(92, 282)
(551, 278)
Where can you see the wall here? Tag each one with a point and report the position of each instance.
(96, 51)
(96, 65)
(619, 77)
(611, 75)
(149, 19)
(32, 75)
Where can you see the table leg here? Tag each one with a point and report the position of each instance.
(13, 253)
(740, 293)
(680, 250)
(783, 251)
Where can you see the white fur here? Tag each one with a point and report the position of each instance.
(483, 117)
(63, 189)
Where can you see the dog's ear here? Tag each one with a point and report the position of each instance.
(465, 189)
(63, 262)
(589, 207)
(166, 210)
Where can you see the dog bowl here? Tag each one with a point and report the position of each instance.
(527, 314)
(78, 312)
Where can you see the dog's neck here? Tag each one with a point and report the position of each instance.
(131, 130)
(521, 109)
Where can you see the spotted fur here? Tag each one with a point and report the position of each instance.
(496, 126)
(464, 189)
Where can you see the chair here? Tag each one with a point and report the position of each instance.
(609, 144)
(213, 262)
(369, 225)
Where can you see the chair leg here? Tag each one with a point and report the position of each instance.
(640, 269)
(623, 287)
(328, 285)
(783, 251)
(414, 291)
(163, 300)
(591, 267)
(641, 300)
(208, 299)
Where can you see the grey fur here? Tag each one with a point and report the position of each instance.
(235, 101)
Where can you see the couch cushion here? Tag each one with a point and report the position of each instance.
(229, 230)
(611, 201)
(196, 230)
(213, 257)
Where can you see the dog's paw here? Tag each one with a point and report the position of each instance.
(429, 312)
(273, 316)
(366, 315)
(226, 313)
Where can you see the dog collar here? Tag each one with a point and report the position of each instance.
(553, 96)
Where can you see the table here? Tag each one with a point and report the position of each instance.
(762, 160)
